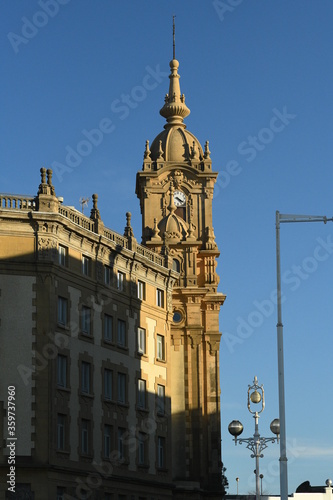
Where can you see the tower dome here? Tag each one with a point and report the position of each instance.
(176, 144)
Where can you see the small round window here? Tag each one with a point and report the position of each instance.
(177, 317)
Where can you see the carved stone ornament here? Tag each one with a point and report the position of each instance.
(169, 300)
(164, 205)
(209, 193)
(47, 249)
(172, 235)
(210, 238)
(178, 178)
(214, 344)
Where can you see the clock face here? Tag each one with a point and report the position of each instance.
(179, 198)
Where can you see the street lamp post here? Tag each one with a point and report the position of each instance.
(282, 218)
(261, 478)
(257, 443)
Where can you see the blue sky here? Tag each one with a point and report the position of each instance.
(257, 75)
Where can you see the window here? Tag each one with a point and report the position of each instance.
(61, 425)
(108, 328)
(86, 265)
(160, 298)
(176, 265)
(141, 448)
(160, 399)
(160, 348)
(85, 377)
(121, 333)
(121, 443)
(86, 320)
(141, 290)
(177, 317)
(107, 440)
(61, 493)
(61, 370)
(121, 388)
(120, 281)
(160, 452)
(141, 393)
(62, 255)
(85, 428)
(108, 381)
(62, 311)
(107, 275)
(141, 340)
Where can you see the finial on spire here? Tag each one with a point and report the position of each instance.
(174, 109)
(174, 37)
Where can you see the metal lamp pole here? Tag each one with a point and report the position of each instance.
(257, 443)
(281, 218)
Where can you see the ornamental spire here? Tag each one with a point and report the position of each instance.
(174, 37)
(174, 109)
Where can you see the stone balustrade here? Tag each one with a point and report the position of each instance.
(17, 202)
(76, 217)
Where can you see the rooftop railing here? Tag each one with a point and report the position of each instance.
(116, 237)
(19, 202)
(76, 217)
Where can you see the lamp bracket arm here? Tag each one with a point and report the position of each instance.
(303, 218)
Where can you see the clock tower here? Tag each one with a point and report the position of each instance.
(175, 188)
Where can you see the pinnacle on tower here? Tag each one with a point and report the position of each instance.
(174, 109)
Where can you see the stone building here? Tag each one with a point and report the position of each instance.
(111, 346)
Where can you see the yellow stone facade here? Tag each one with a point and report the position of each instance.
(113, 346)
